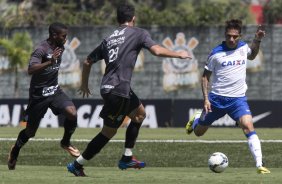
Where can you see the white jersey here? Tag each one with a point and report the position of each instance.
(228, 67)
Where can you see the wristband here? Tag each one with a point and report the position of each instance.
(257, 40)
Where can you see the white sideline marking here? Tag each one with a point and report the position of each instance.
(151, 141)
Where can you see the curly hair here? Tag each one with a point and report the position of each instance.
(233, 24)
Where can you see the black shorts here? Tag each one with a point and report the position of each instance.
(116, 108)
(37, 108)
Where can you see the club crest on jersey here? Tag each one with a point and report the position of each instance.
(233, 63)
(118, 33)
(242, 53)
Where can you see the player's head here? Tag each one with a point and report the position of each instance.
(125, 13)
(58, 33)
(233, 32)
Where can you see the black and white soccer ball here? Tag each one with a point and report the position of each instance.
(218, 162)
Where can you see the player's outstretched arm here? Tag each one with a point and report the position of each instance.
(160, 51)
(84, 90)
(260, 33)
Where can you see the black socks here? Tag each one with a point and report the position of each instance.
(21, 140)
(70, 127)
(95, 146)
(132, 134)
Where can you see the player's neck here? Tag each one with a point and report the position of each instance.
(50, 42)
(127, 24)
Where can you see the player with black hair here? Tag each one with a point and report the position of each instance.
(119, 50)
(44, 93)
(227, 64)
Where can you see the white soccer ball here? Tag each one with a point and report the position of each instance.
(218, 162)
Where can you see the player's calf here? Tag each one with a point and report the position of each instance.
(12, 158)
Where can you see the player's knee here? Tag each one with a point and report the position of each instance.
(73, 117)
(198, 134)
(109, 132)
(71, 114)
(247, 127)
(139, 118)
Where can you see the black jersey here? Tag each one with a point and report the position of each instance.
(45, 82)
(120, 51)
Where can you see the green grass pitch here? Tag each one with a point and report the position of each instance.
(181, 161)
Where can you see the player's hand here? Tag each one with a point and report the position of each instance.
(84, 91)
(184, 55)
(207, 106)
(260, 33)
(56, 54)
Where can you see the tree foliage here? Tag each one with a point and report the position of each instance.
(17, 49)
(273, 12)
(102, 12)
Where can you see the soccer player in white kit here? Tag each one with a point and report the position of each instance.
(227, 65)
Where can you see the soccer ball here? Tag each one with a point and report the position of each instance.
(218, 162)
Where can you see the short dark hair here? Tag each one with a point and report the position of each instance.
(56, 27)
(125, 13)
(233, 24)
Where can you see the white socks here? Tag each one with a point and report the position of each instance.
(127, 152)
(81, 160)
(255, 148)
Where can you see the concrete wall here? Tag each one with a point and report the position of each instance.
(181, 77)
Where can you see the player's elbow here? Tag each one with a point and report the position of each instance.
(156, 50)
(156, 53)
(253, 54)
(87, 63)
(251, 57)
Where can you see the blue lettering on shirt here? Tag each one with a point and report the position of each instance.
(233, 63)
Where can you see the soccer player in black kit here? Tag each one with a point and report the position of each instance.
(44, 93)
(119, 50)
